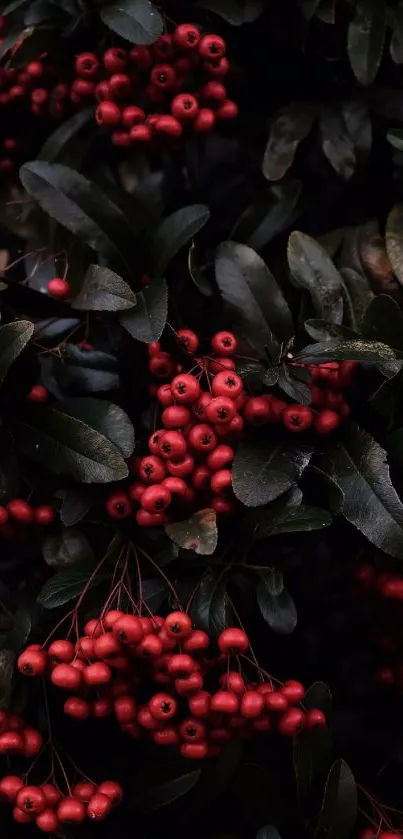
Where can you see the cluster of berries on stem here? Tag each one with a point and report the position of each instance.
(19, 512)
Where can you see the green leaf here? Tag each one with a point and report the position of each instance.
(103, 290)
(235, 12)
(278, 610)
(58, 143)
(292, 520)
(208, 605)
(272, 213)
(322, 330)
(296, 390)
(173, 233)
(394, 240)
(68, 445)
(371, 503)
(201, 282)
(313, 269)
(268, 832)
(319, 696)
(312, 756)
(137, 21)
(262, 472)
(383, 321)
(68, 584)
(287, 129)
(366, 36)
(79, 205)
(13, 338)
(254, 300)
(371, 352)
(75, 505)
(329, 491)
(338, 815)
(107, 418)
(17, 638)
(336, 144)
(146, 322)
(66, 548)
(155, 797)
(198, 534)
(395, 138)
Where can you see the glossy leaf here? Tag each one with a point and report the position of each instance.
(313, 269)
(287, 129)
(57, 144)
(198, 534)
(135, 20)
(278, 610)
(103, 290)
(263, 471)
(164, 794)
(394, 240)
(146, 322)
(66, 548)
(173, 233)
(353, 350)
(272, 213)
(68, 584)
(13, 338)
(208, 605)
(339, 806)
(292, 520)
(366, 36)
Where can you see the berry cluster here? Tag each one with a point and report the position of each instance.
(198, 711)
(384, 591)
(189, 462)
(384, 583)
(19, 512)
(16, 737)
(48, 808)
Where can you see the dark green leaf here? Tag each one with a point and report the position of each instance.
(292, 520)
(235, 12)
(394, 240)
(34, 41)
(319, 696)
(339, 806)
(272, 213)
(198, 534)
(68, 547)
(371, 503)
(336, 143)
(82, 371)
(66, 445)
(357, 295)
(366, 36)
(11, 39)
(396, 41)
(57, 144)
(395, 137)
(13, 338)
(106, 418)
(146, 322)
(296, 390)
(208, 605)
(173, 233)
(357, 118)
(383, 321)
(322, 330)
(287, 129)
(313, 269)
(103, 290)
(312, 755)
(79, 205)
(268, 832)
(273, 581)
(201, 282)
(166, 793)
(254, 300)
(278, 610)
(329, 491)
(153, 593)
(262, 472)
(371, 352)
(68, 584)
(135, 20)
(75, 505)
(17, 638)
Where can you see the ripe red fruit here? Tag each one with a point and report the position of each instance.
(99, 807)
(291, 722)
(211, 47)
(93, 628)
(47, 821)
(276, 701)
(228, 110)
(163, 49)
(176, 486)
(132, 115)
(20, 511)
(181, 666)
(32, 740)
(233, 641)
(202, 438)
(86, 65)
(163, 76)
(220, 410)
(293, 691)
(224, 702)
(152, 469)
(314, 718)
(10, 785)
(172, 444)
(195, 642)
(31, 800)
(234, 682)
(125, 709)
(166, 736)
(188, 339)
(326, 421)
(189, 685)
(220, 457)
(44, 515)
(155, 499)
(128, 629)
(71, 810)
(224, 343)
(205, 121)
(115, 60)
(221, 481)
(112, 790)
(227, 383)
(150, 647)
(83, 791)
(168, 125)
(201, 477)
(38, 393)
(216, 69)
(102, 92)
(145, 519)
(257, 411)
(97, 674)
(192, 730)
(185, 388)
(141, 58)
(11, 741)
(66, 676)
(199, 704)
(176, 416)
(32, 662)
(162, 706)
(101, 707)
(164, 395)
(161, 364)
(118, 506)
(3, 516)
(194, 751)
(106, 645)
(186, 37)
(77, 708)
(214, 92)
(297, 417)
(61, 651)
(178, 625)
(51, 794)
(252, 704)
(184, 107)
(20, 817)
(58, 287)
(120, 86)
(107, 113)
(181, 466)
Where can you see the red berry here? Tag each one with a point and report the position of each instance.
(112, 790)
(146, 519)
(189, 340)
(115, 60)
(120, 86)
(257, 411)
(32, 740)
(111, 617)
(199, 408)
(196, 641)
(10, 785)
(234, 682)
(178, 625)
(185, 388)
(102, 92)
(44, 515)
(192, 730)
(118, 506)
(326, 421)
(83, 791)
(214, 92)
(161, 365)
(66, 676)
(146, 719)
(99, 807)
(293, 691)
(166, 736)
(199, 704)
(51, 794)
(155, 499)
(291, 722)
(97, 674)
(163, 76)
(186, 37)
(58, 287)
(184, 107)
(227, 110)
(61, 651)
(221, 481)
(181, 466)
(132, 115)
(31, 800)
(252, 704)
(107, 113)
(11, 741)
(125, 709)
(168, 125)
(227, 383)
(194, 751)
(216, 69)
(101, 707)
(233, 641)
(20, 511)
(164, 395)
(314, 718)
(128, 629)
(220, 410)
(152, 469)
(224, 702)
(224, 343)
(162, 706)
(220, 457)
(171, 444)
(47, 821)
(211, 47)
(93, 628)
(162, 48)
(86, 65)
(21, 817)
(82, 88)
(202, 438)
(3, 516)
(141, 58)
(297, 418)
(181, 666)
(71, 810)
(38, 393)
(276, 701)
(176, 416)
(205, 121)
(176, 486)
(150, 647)
(32, 662)
(121, 139)
(77, 708)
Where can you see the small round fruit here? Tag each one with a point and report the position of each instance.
(108, 113)
(97, 674)
(20, 510)
(227, 383)
(118, 506)
(202, 438)
(326, 421)
(205, 121)
(257, 411)
(221, 481)
(192, 731)
(178, 625)
(66, 676)
(172, 444)
(99, 807)
(188, 339)
(32, 662)
(185, 388)
(31, 800)
(44, 515)
(186, 37)
(176, 416)
(212, 47)
(194, 751)
(297, 418)
(38, 393)
(10, 786)
(168, 126)
(184, 107)
(293, 691)
(252, 704)
(220, 410)
(112, 790)
(128, 629)
(83, 791)
(199, 704)
(61, 651)
(47, 821)
(152, 469)
(163, 76)
(181, 665)
(227, 110)
(33, 742)
(291, 722)
(162, 706)
(72, 811)
(115, 60)
(197, 641)
(125, 709)
(58, 287)
(155, 499)
(314, 718)
(224, 702)
(220, 457)
(77, 708)
(51, 794)
(224, 343)
(233, 641)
